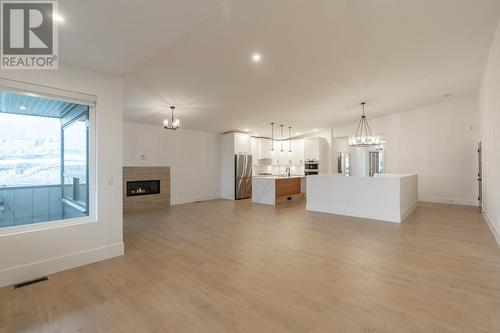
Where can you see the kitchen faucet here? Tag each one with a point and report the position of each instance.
(287, 170)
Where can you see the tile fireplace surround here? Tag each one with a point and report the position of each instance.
(146, 173)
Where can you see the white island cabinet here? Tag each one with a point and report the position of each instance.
(270, 190)
(387, 197)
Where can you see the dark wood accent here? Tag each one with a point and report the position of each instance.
(287, 187)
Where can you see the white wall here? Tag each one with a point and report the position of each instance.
(193, 157)
(489, 110)
(437, 142)
(24, 256)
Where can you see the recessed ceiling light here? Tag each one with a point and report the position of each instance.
(57, 18)
(246, 130)
(22, 107)
(256, 57)
(298, 133)
(315, 130)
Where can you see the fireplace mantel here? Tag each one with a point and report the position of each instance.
(146, 174)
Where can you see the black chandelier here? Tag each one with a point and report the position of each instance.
(173, 123)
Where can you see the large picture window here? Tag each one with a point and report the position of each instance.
(44, 159)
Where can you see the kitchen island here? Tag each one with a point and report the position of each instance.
(386, 197)
(270, 190)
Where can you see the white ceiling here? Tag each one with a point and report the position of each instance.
(320, 58)
(117, 36)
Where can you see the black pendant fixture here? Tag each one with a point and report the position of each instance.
(363, 136)
(272, 137)
(174, 123)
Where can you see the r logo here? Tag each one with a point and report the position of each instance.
(27, 28)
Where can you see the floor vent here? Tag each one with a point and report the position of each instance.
(27, 283)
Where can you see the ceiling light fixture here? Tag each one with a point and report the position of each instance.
(281, 138)
(363, 136)
(256, 57)
(272, 137)
(22, 107)
(173, 124)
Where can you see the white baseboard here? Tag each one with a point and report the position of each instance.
(408, 211)
(450, 201)
(493, 228)
(367, 214)
(184, 200)
(17, 274)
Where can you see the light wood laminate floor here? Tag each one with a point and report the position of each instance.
(224, 266)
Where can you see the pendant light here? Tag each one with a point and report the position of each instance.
(289, 140)
(272, 137)
(363, 136)
(173, 124)
(281, 138)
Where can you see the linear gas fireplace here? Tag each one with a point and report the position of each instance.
(143, 187)
(137, 184)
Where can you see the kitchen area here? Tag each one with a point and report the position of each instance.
(333, 175)
(270, 171)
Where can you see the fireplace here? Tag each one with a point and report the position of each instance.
(143, 180)
(143, 187)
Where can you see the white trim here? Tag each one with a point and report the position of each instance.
(360, 213)
(26, 272)
(92, 163)
(46, 91)
(69, 96)
(184, 200)
(20, 229)
(491, 225)
(449, 200)
(408, 211)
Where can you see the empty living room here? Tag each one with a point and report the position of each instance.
(250, 166)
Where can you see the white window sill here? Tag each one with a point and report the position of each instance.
(25, 228)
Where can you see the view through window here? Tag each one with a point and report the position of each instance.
(44, 164)
(30, 149)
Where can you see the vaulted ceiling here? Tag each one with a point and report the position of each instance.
(320, 58)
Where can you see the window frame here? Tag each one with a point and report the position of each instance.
(69, 201)
(74, 97)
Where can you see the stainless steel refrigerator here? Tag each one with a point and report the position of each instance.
(243, 176)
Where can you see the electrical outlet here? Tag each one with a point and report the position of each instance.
(143, 157)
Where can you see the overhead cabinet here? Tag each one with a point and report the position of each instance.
(242, 143)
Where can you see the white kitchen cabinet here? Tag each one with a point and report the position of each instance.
(318, 149)
(298, 152)
(265, 148)
(255, 149)
(242, 144)
(311, 148)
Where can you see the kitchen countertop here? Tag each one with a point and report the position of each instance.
(278, 177)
